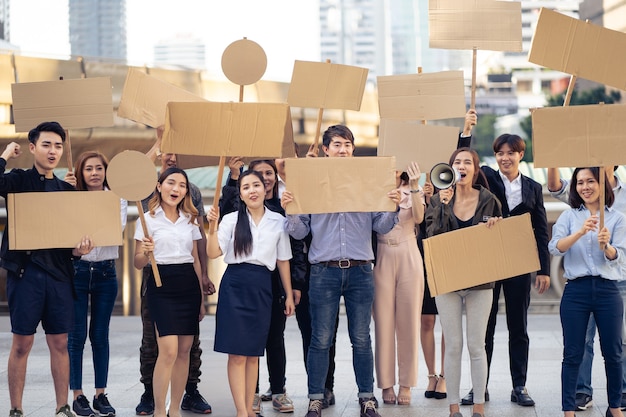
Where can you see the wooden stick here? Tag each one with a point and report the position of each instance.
(68, 153)
(602, 197)
(155, 268)
(218, 190)
(473, 96)
(570, 90)
(419, 71)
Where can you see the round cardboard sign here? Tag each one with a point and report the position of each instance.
(244, 62)
(131, 175)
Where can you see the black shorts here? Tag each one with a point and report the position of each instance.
(38, 297)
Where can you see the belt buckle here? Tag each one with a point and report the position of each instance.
(344, 263)
(392, 242)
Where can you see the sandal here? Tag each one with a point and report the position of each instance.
(404, 395)
(389, 396)
(440, 390)
(431, 393)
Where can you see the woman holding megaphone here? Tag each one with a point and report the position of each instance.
(467, 203)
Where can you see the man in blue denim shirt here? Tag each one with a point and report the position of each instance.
(341, 264)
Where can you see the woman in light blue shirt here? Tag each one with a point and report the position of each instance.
(594, 261)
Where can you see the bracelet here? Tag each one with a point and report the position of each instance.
(415, 191)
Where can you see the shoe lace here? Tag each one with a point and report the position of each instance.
(82, 401)
(64, 412)
(103, 400)
(315, 405)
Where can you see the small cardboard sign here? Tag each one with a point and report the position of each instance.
(336, 185)
(481, 24)
(75, 104)
(411, 141)
(579, 48)
(579, 136)
(145, 97)
(323, 85)
(477, 255)
(68, 216)
(426, 96)
(227, 129)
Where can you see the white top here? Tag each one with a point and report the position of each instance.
(512, 190)
(173, 242)
(105, 253)
(270, 241)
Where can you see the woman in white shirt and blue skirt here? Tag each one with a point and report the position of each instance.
(176, 306)
(254, 242)
(594, 260)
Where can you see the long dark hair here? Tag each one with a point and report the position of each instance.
(81, 185)
(185, 205)
(575, 200)
(479, 176)
(272, 164)
(243, 236)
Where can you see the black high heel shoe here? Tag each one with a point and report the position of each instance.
(431, 394)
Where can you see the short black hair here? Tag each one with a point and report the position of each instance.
(575, 200)
(53, 127)
(515, 142)
(337, 130)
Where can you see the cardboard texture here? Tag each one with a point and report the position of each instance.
(227, 129)
(132, 175)
(579, 48)
(144, 98)
(426, 96)
(75, 104)
(409, 141)
(244, 62)
(477, 255)
(579, 136)
(323, 85)
(69, 216)
(480, 24)
(335, 185)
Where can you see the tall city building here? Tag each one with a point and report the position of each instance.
(98, 28)
(183, 50)
(4, 20)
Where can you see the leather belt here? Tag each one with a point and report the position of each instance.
(344, 263)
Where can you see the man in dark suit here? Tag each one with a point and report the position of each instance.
(518, 195)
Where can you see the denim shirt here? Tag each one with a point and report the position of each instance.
(338, 236)
(585, 257)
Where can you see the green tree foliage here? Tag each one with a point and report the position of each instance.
(594, 96)
(483, 135)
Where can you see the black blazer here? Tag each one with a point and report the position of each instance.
(532, 202)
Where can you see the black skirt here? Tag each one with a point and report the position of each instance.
(175, 305)
(244, 306)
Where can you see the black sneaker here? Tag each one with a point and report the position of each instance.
(368, 407)
(583, 401)
(146, 405)
(315, 408)
(102, 405)
(81, 407)
(195, 403)
(329, 398)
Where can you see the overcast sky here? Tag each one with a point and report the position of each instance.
(286, 29)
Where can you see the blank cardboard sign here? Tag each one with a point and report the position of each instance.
(75, 104)
(481, 24)
(322, 85)
(131, 175)
(145, 97)
(579, 136)
(227, 129)
(579, 48)
(424, 96)
(67, 217)
(410, 141)
(244, 62)
(334, 185)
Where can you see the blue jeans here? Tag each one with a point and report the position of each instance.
(581, 298)
(326, 286)
(97, 280)
(583, 384)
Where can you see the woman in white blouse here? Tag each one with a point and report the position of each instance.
(176, 306)
(254, 242)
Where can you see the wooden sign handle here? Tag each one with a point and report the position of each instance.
(155, 268)
(68, 152)
(218, 189)
(570, 90)
(602, 197)
(419, 71)
(473, 94)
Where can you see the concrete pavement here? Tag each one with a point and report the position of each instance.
(125, 389)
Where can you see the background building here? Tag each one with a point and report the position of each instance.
(184, 50)
(98, 28)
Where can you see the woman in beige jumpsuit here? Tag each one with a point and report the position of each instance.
(399, 288)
